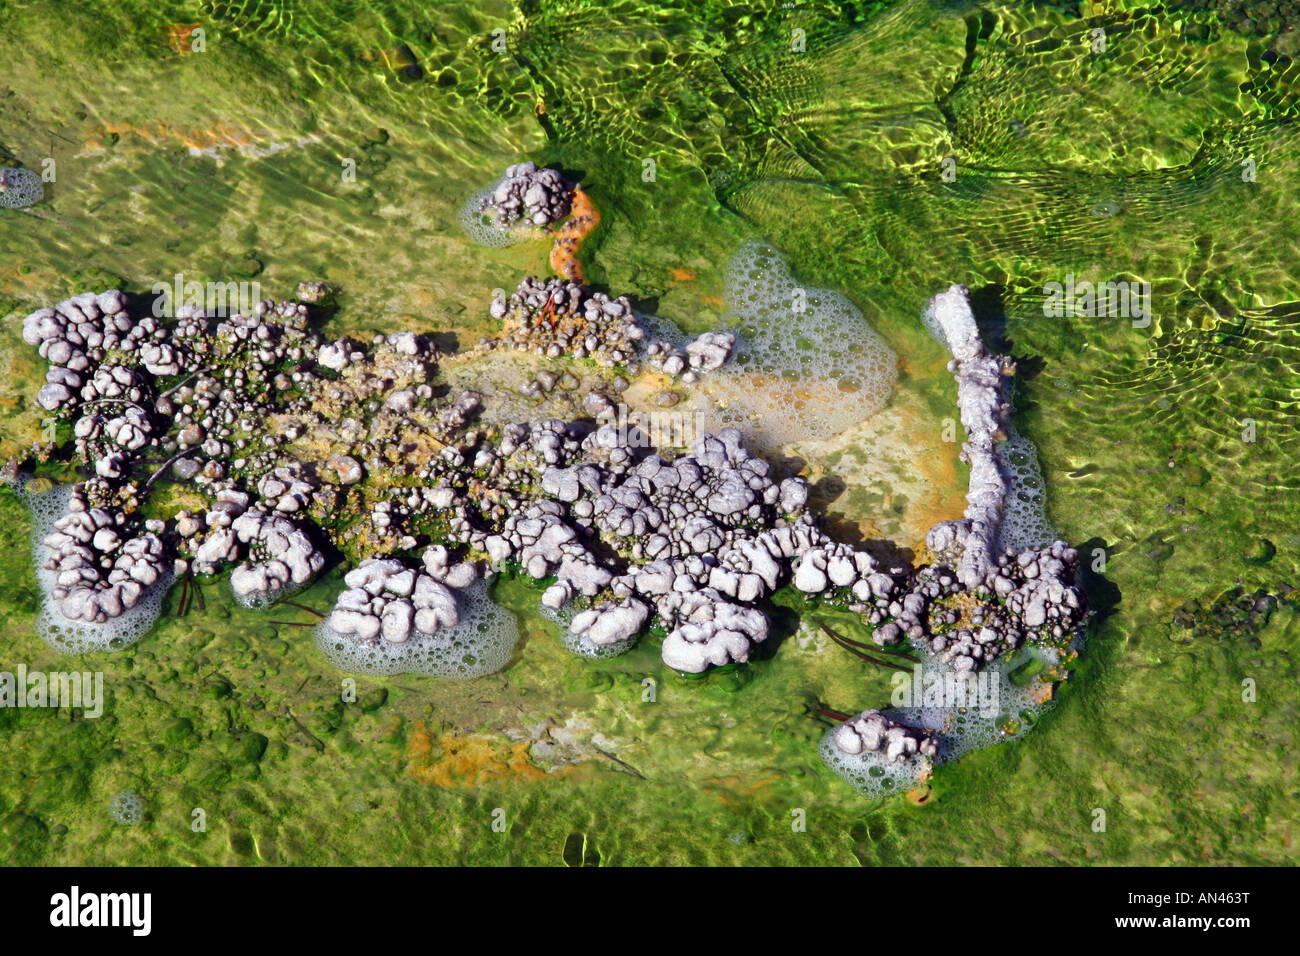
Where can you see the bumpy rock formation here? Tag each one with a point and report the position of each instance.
(975, 603)
(983, 402)
(281, 429)
(100, 570)
(527, 193)
(612, 516)
(75, 337)
(297, 442)
(873, 732)
(556, 317)
(280, 556)
(386, 600)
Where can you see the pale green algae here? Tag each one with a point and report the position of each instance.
(1139, 432)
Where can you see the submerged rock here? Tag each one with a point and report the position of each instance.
(873, 732)
(530, 194)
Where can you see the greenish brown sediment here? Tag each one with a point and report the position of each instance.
(227, 165)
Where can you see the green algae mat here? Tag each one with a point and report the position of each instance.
(887, 150)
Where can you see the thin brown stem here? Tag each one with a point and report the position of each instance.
(165, 465)
(303, 607)
(878, 650)
(848, 646)
(183, 381)
(831, 714)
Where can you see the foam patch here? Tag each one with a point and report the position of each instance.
(998, 711)
(869, 772)
(1024, 510)
(807, 365)
(480, 227)
(47, 504)
(127, 808)
(962, 730)
(24, 188)
(479, 645)
(580, 644)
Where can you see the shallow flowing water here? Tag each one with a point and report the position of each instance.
(887, 150)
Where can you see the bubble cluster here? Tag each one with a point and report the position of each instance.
(47, 503)
(261, 600)
(580, 644)
(127, 808)
(481, 227)
(21, 188)
(480, 644)
(1000, 710)
(1024, 510)
(870, 772)
(807, 365)
(78, 637)
(997, 709)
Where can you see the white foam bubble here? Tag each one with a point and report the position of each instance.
(874, 776)
(1003, 711)
(46, 501)
(580, 644)
(807, 365)
(24, 188)
(79, 637)
(658, 327)
(127, 808)
(481, 227)
(1024, 509)
(480, 644)
(47, 504)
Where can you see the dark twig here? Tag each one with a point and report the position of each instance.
(315, 741)
(427, 431)
(183, 381)
(831, 714)
(876, 650)
(622, 763)
(159, 473)
(857, 653)
(303, 607)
